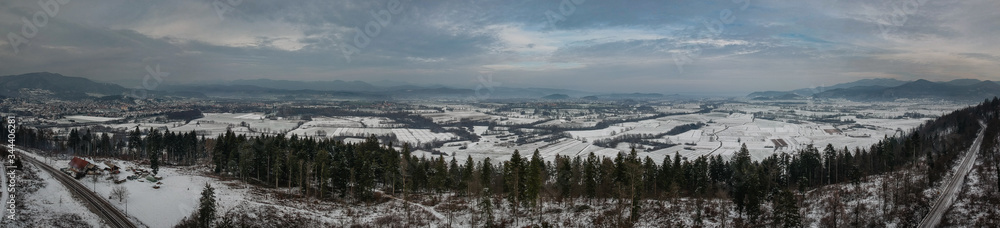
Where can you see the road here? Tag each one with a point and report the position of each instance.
(112, 216)
(953, 186)
(716, 135)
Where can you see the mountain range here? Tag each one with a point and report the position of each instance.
(60, 86)
(892, 89)
(67, 87)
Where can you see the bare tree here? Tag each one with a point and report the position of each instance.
(119, 192)
(93, 179)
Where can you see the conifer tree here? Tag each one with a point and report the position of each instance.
(206, 207)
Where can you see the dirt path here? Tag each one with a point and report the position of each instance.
(426, 208)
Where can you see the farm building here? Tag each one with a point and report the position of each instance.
(111, 167)
(80, 167)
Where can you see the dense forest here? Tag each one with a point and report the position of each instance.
(764, 191)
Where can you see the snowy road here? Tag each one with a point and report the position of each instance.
(953, 186)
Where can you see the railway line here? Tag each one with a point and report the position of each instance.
(112, 216)
(953, 186)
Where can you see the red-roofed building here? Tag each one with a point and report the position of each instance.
(79, 166)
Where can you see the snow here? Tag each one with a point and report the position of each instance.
(45, 202)
(91, 118)
(250, 116)
(164, 207)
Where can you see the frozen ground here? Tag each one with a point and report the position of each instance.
(90, 118)
(44, 202)
(164, 207)
(179, 194)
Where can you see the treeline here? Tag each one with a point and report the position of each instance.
(644, 138)
(632, 139)
(185, 115)
(683, 128)
(990, 148)
(407, 119)
(177, 148)
(331, 169)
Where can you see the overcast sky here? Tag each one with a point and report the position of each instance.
(703, 46)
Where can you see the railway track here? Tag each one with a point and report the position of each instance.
(112, 216)
(953, 186)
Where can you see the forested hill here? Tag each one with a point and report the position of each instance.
(768, 192)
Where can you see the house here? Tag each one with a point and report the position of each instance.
(80, 167)
(111, 167)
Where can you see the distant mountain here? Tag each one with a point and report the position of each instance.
(63, 87)
(404, 90)
(920, 89)
(556, 97)
(615, 96)
(252, 91)
(71, 88)
(419, 92)
(887, 82)
(963, 82)
(888, 89)
(805, 92)
(337, 85)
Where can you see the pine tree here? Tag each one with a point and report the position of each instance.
(590, 176)
(206, 208)
(486, 208)
(154, 162)
(649, 176)
(664, 180)
(534, 178)
(513, 181)
(742, 181)
(455, 176)
(564, 176)
(786, 209)
(467, 176)
(322, 169)
(135, 140)
(829, 161)
(486, 175)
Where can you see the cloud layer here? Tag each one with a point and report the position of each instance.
(720, 46)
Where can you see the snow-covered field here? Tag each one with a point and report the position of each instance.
(90, 118)
(413, 136)
(731, 126)
(214, 124)
(455, 116)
